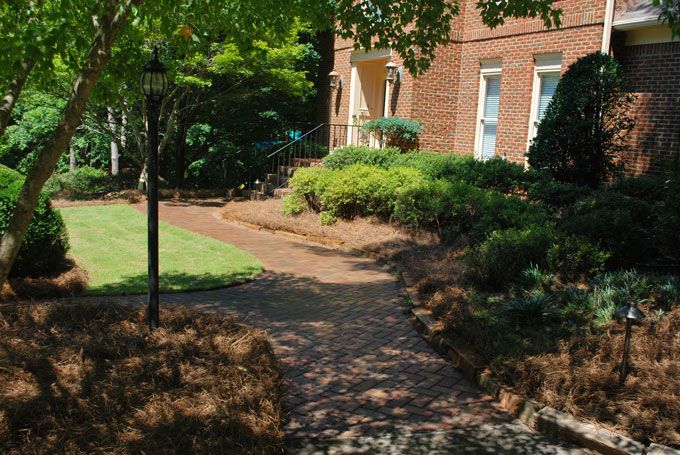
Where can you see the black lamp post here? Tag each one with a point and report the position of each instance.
(154, 84)
(632, 315)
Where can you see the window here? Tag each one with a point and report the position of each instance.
(546, 78)
(489, 104)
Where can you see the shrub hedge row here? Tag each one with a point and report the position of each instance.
(567, 229)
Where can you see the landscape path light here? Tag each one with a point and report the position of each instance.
(632, 315)
(154, 86)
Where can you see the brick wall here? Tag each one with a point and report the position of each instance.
(517, 56)
(446, 97)
(654, 73)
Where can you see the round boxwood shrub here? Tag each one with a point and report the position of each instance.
(45, 244)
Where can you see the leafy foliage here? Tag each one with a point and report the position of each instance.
(585, 124)
(415, 29)
(574, 257)
(395, 131)
(353, 154)
(620, 224)
(45, 244)
(83, 183)
(500, 259)
(670, 14)
(494, 174)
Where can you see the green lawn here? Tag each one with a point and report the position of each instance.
(109, 242)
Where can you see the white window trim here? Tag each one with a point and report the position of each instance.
(489, 68)
(352, 91)
(545, 64)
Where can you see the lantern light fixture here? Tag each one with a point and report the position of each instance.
(154, 80)
(335, 80)
(394, 72)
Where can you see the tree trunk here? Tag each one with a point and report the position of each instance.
(72, 161)
(141, 183)
(13, 92)
(180, 164)
(113, 18)
(114, 144)
(123, 133)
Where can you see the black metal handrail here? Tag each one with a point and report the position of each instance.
(310, 147)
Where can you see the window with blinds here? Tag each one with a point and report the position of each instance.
(489, 119)
(549, 83)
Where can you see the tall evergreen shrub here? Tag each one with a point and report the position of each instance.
(585, 125)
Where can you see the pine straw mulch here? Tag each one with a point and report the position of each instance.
(579, 377)
(70, 281)
(137, 196)
(582, 378)
(89, 378)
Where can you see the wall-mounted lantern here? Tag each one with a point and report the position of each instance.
(335, 80)
(632, 315)
(394, 73)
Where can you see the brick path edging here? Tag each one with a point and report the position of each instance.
(543, 419)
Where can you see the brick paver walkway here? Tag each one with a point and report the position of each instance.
(354, 363)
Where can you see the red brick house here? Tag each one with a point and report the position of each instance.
(487, 89)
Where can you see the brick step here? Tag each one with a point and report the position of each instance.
(307, 162)
(276, 179)
(287, 171)
(281, 192)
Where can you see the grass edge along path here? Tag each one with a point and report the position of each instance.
(110, 243)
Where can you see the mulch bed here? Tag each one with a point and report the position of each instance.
(70, 281)
(90, 378)
(580, 377)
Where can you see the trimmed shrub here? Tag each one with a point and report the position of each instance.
(557, 194)
(500, 259)
(646, 188)
(361, 190)
(422, 206)
(395, 131)
(83, 183)
(620, 224)
(327, 218)
(294, 205)
(45, 244)
(497, 212)
(585, 124)
(306, 184)
(458, 208)
(667, 231)
(496, 174)
(353, 154)
(574, 257)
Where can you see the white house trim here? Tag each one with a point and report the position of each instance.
(352, 92)
(488, 68)
(362, 56)
(544, 64)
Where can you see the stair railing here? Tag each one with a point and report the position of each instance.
(313, 145)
